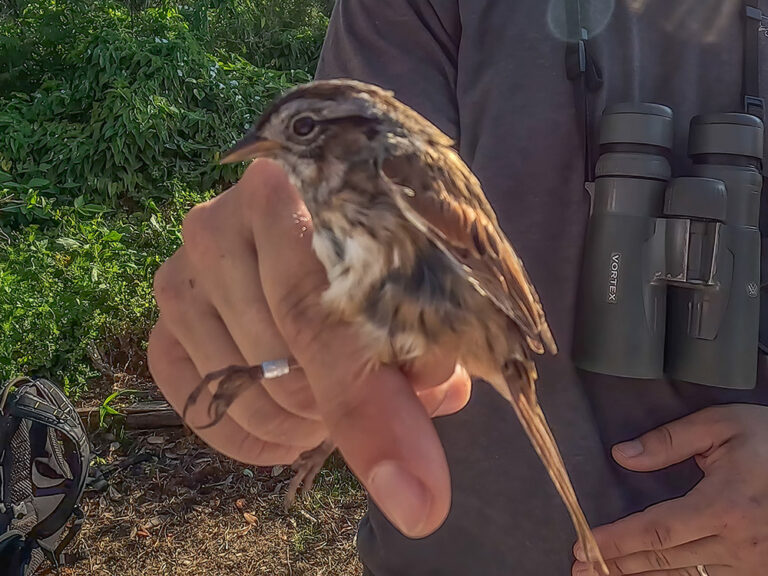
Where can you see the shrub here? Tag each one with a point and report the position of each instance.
(82, 285)
(135, 109)
(113, 114)
(284, 35)
(37, 37)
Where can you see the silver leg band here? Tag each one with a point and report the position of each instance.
(276, 368)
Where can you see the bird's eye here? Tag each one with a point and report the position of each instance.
(304, 126)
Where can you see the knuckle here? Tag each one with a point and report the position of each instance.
(723, 421)
(659, 536)
(155, 350)
(301, 314)
(167, 285)
(253, 447)
(658, 560)
(198, 228)
(277, 425)
(346, 404)
(665, 438)
(257, 451)
(297, 398)
(256, 313)
(616, 549)
(264, 183)
(718, 414)
(738, 553)
(250, 199)
(617, 567)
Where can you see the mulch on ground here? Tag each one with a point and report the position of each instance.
(177, 507)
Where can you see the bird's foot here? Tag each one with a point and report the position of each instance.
(306, 468)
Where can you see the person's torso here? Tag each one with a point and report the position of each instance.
(519, 131)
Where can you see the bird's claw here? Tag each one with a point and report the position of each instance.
(306, 467)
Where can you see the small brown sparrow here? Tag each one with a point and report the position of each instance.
(413, 252)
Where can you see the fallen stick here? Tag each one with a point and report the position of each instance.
(144, 416)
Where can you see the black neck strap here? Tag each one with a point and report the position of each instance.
(587, 77)
(753, 25)
(584, 71)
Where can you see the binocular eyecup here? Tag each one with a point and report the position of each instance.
(670, 279)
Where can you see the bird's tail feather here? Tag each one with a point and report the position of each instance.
(517, 384)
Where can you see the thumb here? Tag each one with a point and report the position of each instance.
(374, 416)
(693, 435)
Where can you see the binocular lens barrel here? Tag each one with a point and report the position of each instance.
(671, 273)
(621, 315)
(712, 329)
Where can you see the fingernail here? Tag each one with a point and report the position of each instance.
(630, 449)
(580, 569)
(401, 496)
(578, 552)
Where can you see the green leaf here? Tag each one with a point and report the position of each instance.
(112, 397)
(68, 243)
(93, 209)
(38, 182)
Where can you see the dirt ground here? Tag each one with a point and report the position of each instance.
(177, 507)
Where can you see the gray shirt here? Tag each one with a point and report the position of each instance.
(491, 74)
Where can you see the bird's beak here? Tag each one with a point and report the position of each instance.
(249, 148)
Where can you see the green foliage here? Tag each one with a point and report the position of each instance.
(285, 35)
(39, 37)
(130, 109)
(82, 284)
(105, 409)
(113, 114)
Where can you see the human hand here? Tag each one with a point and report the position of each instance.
(245, 289)
(722, 524)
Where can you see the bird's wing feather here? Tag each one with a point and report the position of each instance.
(441, 197)
(447, 204)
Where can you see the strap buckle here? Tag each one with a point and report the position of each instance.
(583, 50)
(754, 13)
(755, 105)
(577, 56)
(19, 510)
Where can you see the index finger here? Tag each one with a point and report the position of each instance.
(660, 527)
(374, 417)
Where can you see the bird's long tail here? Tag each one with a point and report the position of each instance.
(518, 385)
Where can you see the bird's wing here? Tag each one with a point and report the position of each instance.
(441, 197)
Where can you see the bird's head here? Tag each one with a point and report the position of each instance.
(318, 129)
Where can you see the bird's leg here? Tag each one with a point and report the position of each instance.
(306, 468)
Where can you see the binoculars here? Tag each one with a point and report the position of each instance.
(670, 284)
